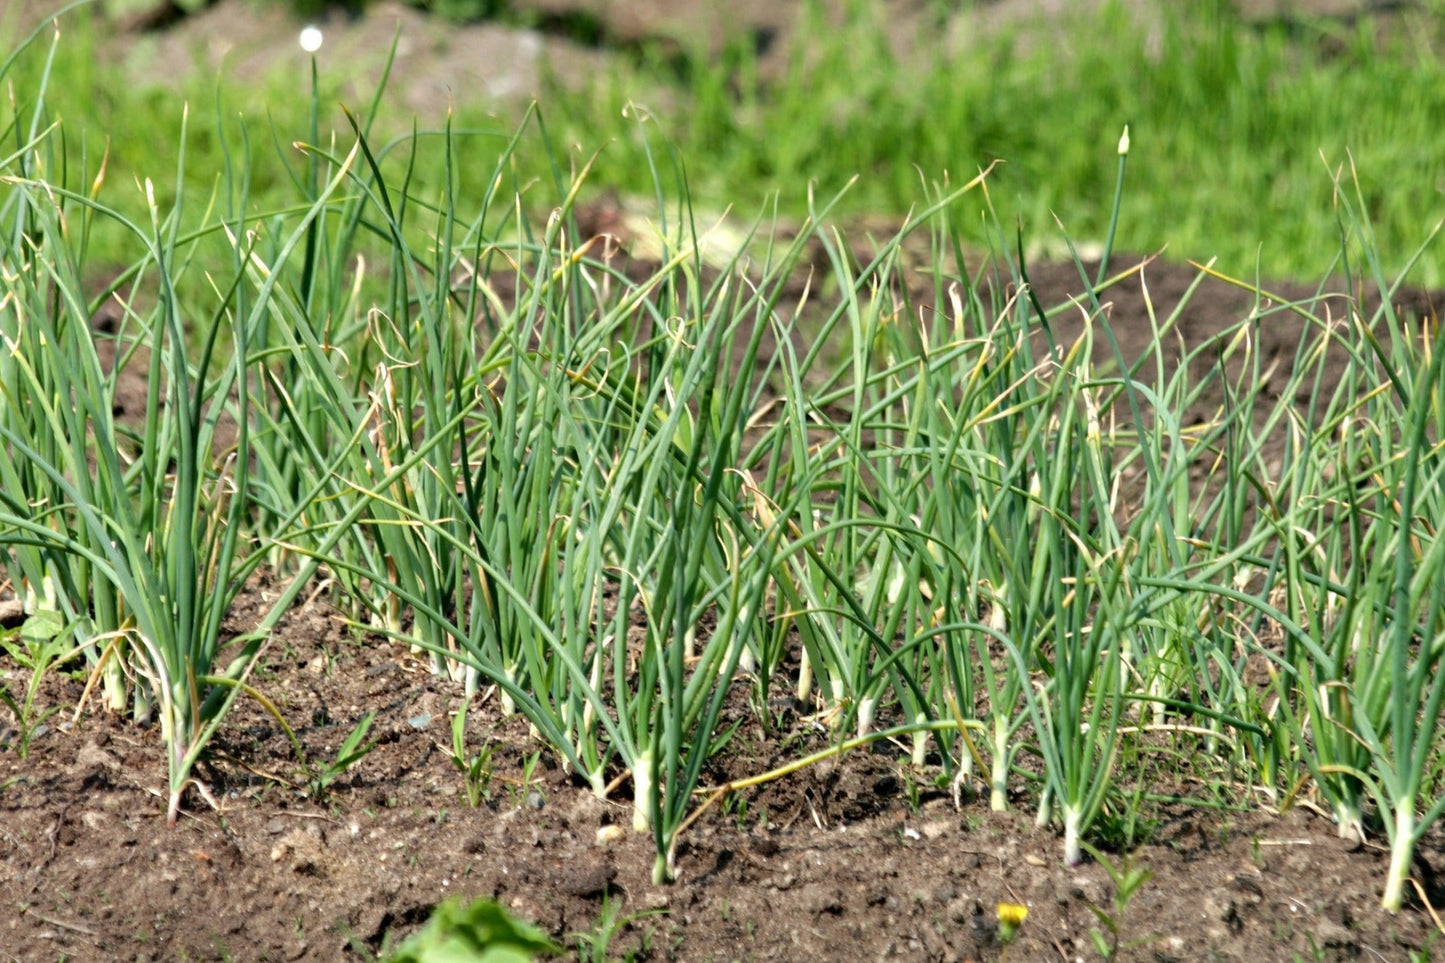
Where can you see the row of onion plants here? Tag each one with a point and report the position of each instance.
(628, 495)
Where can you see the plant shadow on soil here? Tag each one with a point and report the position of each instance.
(860, 857)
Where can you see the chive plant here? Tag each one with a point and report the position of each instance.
(1369, 584)
(145, 527)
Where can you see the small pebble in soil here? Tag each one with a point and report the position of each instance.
(536, 800)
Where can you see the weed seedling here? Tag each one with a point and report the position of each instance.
(38, 644)
(351, 752)
(738, 806)
(913, 789)
(1127, 879)
(476, 769)
(593, 946)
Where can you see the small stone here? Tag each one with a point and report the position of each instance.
(94, 758)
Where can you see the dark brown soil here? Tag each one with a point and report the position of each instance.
(856, 859)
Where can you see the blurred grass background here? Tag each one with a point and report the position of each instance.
(1238, 126)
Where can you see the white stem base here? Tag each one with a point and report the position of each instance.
(920, 741)
(998, 781)
(805, 678)
(642, 791)
(509, 705)
(866, 707)
(1073, 852)
(1045, 815)
(1348, 822)
(1402, 854)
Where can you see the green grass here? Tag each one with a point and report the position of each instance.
(605, 496)
(1236, 129)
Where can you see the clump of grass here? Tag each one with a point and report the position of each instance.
(140, 530)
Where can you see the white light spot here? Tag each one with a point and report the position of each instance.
(311, 39)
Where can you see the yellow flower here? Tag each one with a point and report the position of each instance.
(1010, 918)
